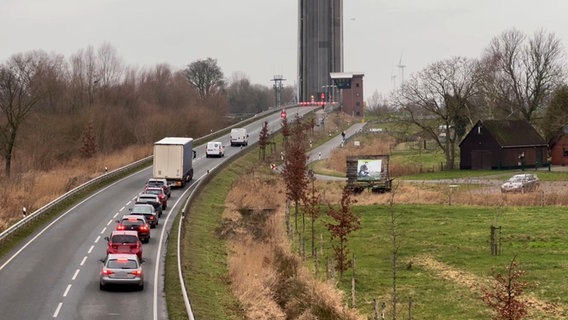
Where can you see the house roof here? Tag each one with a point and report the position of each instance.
(345, 75)
(512, 133)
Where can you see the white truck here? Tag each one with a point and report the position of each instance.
(173, 160)
(239, 137)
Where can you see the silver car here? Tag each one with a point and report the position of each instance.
(122, 269)
(521, 183)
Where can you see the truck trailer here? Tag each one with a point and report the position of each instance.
(173, 160)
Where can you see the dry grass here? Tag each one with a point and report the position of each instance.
(35, 189)
(550, 194)
(269, 280)
(477, 284)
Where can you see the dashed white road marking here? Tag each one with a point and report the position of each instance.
(76, 273)
(57, 309)
(67, 290)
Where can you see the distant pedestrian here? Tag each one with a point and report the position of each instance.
(319, 155)
(282, 155)
(343, 135)
(24, 211)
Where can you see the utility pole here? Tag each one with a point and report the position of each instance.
(277, 88)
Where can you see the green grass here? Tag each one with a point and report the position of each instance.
(205, 253)
(459, 237)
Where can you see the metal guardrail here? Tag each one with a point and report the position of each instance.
(13, 229)
(45, 209)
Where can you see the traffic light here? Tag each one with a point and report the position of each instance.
(322, 96)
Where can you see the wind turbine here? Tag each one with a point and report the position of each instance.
(401, 67)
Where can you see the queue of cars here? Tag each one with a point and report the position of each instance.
(122, 265)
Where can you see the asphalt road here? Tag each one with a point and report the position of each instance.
(53, 274)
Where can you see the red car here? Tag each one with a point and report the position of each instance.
(136, 223)
(124, 241)
(163, 183)
(160, 193)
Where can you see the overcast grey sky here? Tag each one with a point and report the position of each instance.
(258, 38)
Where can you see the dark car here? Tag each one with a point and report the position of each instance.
(137, 223)
(163, 183)
(124, 241)
(122, 269)
(152, 199)
(160, 193)
(148, 211)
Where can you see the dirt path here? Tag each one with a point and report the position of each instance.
(475, 284)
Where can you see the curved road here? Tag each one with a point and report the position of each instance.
(54, 273)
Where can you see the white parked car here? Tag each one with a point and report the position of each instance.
(521, 183)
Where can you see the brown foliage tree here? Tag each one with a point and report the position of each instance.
(89, 147)
(263, 140)
(295, 167)
(346, 222)
(505, 295)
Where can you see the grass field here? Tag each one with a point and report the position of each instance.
(444, 257)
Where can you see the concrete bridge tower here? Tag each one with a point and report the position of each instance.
(320, 47)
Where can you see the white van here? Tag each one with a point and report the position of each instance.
(239, 137)
(214, 149)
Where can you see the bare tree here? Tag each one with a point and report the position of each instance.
(526, 70)
(245, 97)
(206, 76)
(378, 105)
(438, 98)
(20, 91)
(110, 66)
(84, 76)
(556, 115)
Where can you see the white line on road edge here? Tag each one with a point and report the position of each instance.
(157, 266)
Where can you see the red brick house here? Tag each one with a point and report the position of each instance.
(503, 144)
(559, 148)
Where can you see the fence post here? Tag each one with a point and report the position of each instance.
(353, 282)
(376, 308)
